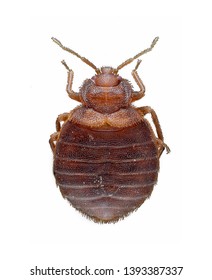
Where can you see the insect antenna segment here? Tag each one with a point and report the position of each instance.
(128, 61)
(88, 62)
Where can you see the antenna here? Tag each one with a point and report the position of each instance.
(76, 54)
(128, 61)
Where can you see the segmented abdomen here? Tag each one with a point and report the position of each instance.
(106, 174)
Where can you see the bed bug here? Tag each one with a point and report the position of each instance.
(106, 154)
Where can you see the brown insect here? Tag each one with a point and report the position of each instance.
(106, 155)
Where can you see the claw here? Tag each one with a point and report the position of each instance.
(167, 148)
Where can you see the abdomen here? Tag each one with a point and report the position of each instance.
(106, 174)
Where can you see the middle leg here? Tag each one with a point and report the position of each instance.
(61, 118)
(54, 137)
(53, 140)
(160, 140)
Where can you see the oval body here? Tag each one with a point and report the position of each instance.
(106, 172)
(106, 155)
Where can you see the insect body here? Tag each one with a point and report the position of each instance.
(106, 155)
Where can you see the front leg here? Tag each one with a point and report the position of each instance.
(161, 145)
(138, 94)
(72, 94)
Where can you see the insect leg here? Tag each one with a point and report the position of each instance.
(145, 110)
(72, 94)
(52, 140)
(138, 94)
(61, 118)
(53, 137)
(162, 146)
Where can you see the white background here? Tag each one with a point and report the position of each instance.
(172, 228)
